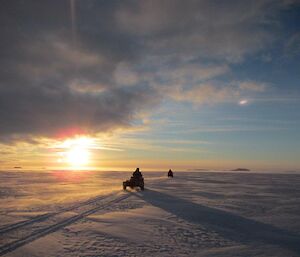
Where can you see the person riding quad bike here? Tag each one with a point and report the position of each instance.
(137, 173)
(170, 173)
(136, 180)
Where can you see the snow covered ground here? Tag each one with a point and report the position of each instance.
(64, 213)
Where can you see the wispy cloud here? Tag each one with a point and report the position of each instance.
(292, 45)
(215, 92)
(228, 129)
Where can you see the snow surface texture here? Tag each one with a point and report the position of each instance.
(64, 213)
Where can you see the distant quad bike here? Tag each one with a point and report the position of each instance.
(170, 174)
(134, 182)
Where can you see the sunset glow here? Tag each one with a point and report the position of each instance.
(114, 85)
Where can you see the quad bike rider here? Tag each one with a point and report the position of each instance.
(170, 173)
(136, 180)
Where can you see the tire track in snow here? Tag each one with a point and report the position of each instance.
(56, 226)
(43, 217)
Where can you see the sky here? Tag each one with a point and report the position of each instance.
(155, 84)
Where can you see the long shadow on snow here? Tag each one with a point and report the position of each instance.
(227, 224)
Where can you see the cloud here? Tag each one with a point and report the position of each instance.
(129, 55)
(252, 86)
(58, 88)
(227, 31)
(292, 46)
(203, 84)
(205, 94)
(190, 73)
(214, 92)
(125, 75)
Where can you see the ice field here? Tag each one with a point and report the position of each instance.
(86, 213)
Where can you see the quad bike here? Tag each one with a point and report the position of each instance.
(170, 174)
(134, 182)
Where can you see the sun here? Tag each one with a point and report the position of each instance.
(78, 156)
(76, 153)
